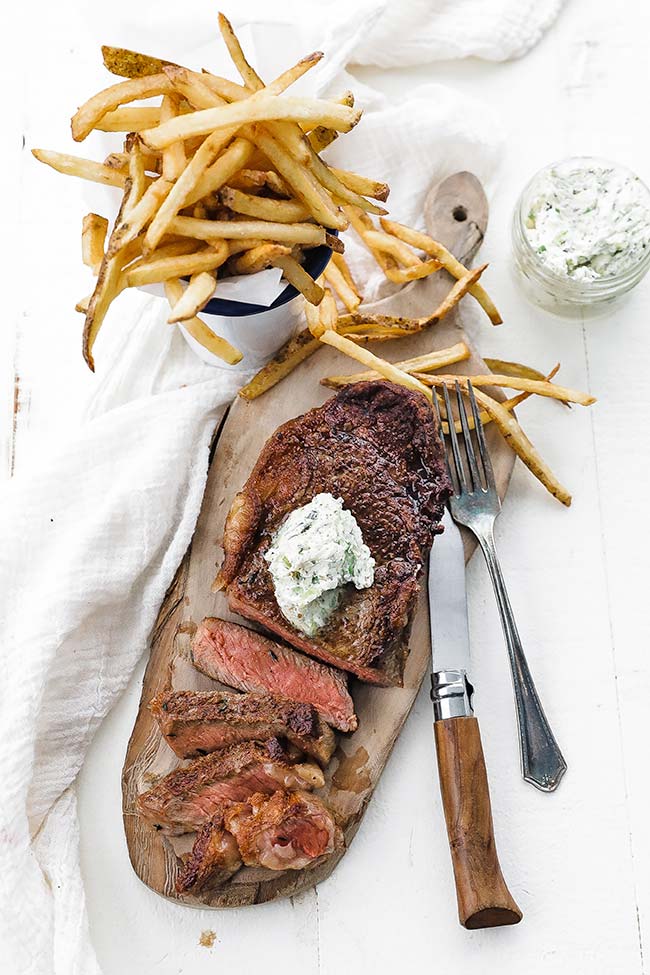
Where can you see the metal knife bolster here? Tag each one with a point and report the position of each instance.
(451, 693)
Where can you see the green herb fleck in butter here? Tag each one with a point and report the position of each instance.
(315, 552)
(589, 222)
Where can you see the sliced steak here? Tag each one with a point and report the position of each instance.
(376, 445)
(285, 831)
(243, 658)
(197, 722)
(189, 796)
(213, 860)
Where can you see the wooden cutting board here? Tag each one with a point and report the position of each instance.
(456, 214)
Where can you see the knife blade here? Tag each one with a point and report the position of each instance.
(483, 897)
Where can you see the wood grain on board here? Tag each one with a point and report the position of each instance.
(456, 214)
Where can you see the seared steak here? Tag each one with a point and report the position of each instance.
(198, 722)
(285, 831)
(213, 860)
(376, 445)
(189, 796)
(242, 658)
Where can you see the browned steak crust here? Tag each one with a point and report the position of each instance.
(197, 722)
(375, 445)
(214, 859)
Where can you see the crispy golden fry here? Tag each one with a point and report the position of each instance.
(391, 245)
(515, 438)
(173, 157)
(403, 275)
(264, 208)
(506, 368)
(137, 217)
(194, 88)
(200, 331)
(541, 388)
(131, 64)
(459, 290)
(321, 137)
(344, 268)
(335, 278)
(284, 362)
(384, 368)
(93, 236)
(248, 73)
(129, 119)
(159, 269)
(137, 177)
(301, 181)
(83, 168)
(195, 297)
(173, 248)
(258, 258)
(507, 404)
(92, 111)
(362, 223)
(222, 169)
(362, 185)
(420, 364)
(291, 233)
(296, 275)
(259, 107)
(249, 180)
(430, 246)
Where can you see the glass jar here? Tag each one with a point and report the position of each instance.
(559, 293)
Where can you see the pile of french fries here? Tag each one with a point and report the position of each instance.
(218, 178)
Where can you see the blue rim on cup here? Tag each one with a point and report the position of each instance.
(316, 260)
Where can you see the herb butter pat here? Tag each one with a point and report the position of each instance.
(316, 551)
(589, 222)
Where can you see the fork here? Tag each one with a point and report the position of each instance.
(475, 504)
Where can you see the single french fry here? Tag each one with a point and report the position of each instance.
(335, 278)
(195, 297)
(540, 388)
(403, 275)
(361, 184)
(93, 236)
(200, 331)
(163, 268)
(129, 119)
(430, 246)
(258, 258)
(339, 190)
(259, 107)
(290, 233)
(137, 177)
(459, 290)
(296, 275)
(173, 157)
(391, 245)
(92, 111)
(264, 208)
(362, 223)
(507, 404)
(82, 168)
(515, 438)
(296, 350)
(321, 137)
(344, 268)
(421, 364)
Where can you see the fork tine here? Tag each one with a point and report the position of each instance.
(436, 407)
(469, 446)
(455, 449)
(480, 436)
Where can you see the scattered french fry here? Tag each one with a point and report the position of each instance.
(162, 269)
(92, 111)
(420, 364)
(83, 168)
(540, 388)
(300, 279)
(195, 297)
(336, 280)
(283, 363)
(200, 331)
(93, 236)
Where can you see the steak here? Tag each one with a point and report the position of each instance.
(213, 860)
(243, 658)
(197, 722)
(377, 446)
(189, 796)
(285, 831)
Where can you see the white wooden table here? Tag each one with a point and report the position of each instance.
(578, 862)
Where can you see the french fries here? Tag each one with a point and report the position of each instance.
(163, 268)
(83, 168)
(92, 111)
(258, 258)
(284, 362)
(540, 388)
(93, 235)
(129, 119)
(420, 364)
(264, 208)
(199, 330)
(296, 275)
(335, 278)
(194, 298)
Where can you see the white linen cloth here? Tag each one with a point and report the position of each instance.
(92, 538)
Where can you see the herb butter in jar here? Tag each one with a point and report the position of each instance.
(581, 235)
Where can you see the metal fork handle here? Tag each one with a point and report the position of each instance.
(542, 762)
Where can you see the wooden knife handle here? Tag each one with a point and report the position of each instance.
(484, 900)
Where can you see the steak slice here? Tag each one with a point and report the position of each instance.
(189, 796)
(243, 658)
(285, 831)
(376, 445)
(197, 722)
(213, 860)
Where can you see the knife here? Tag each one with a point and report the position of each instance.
(484, 900)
